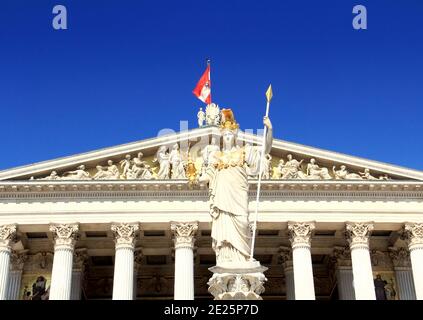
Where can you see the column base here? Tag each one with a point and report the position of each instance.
(237, 281)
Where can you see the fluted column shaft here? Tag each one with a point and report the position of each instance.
(15, 276)
(123, 279)
(14, 284)
(76, 285)
(4, 270)
(343, 272)
(285, 256)
(344, 276)
(61, 275)
(184, 259)
(358, 237)
(300, 237)
(405, 283)
(400, 257)
(79, 262)
(289, 282)
(7, 234)
(414, 232)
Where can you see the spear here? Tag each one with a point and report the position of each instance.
(269, 95)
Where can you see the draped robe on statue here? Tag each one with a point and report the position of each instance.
(228, 187)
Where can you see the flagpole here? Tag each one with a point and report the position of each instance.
(208, 65)
(269, 97)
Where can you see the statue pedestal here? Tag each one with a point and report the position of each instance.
(237, 281)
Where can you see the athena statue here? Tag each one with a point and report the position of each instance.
(228, 189)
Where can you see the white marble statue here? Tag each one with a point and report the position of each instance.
(267, 167)
(212, 115)
(178, 164)
(53, 176)
(292, 169)
(314, 172)
(344, 174)
(207, 151)
(162, 157)
(138, 167)
(201, 115)
(78, 174)
(112, 171)
(101, 174)
(125, 165)
(228, 190)
(279, 170)
(366, 175)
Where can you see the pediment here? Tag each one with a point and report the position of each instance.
(194, 140)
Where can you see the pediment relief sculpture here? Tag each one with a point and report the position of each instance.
(174, 163)
(294, 169)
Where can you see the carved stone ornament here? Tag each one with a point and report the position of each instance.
(64, 235)
(229, 286)
(184, 234)
(18, 259)
(43, 259)
(80, 258)
(138, 258)
(380, 259)
(285, 257)
(342, 256)
(400, 257)
(125, 234)
(7, 235)
(414, 235)
(300, 233)
(358, 234)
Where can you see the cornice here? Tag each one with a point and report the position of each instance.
(271, 189)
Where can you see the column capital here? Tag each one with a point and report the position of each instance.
(400, 257)
(125, 234)
(64, 235)
(80, 258)
(342, 256)
(358, 234)
(414, 235)
(18, 259)
(7, 236)
(184, 233)
(300, 233)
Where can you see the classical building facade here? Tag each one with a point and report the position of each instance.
(133, 222)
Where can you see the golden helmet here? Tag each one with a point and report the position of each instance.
(228, 120)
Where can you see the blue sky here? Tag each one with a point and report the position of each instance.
(124, 69)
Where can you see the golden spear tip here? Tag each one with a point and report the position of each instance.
(269, 93)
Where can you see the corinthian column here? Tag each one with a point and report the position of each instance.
(285, 256)
(344, 274)
(414, 233)
(61, 276)
(123, 280)
(402, 265)
(18, 260)
(184, 259)
(358, 237)
(79, 263)
(300, 237)
(7, 235)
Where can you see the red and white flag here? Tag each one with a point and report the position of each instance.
(203, 89)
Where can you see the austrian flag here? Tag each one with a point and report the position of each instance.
(203, 89)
